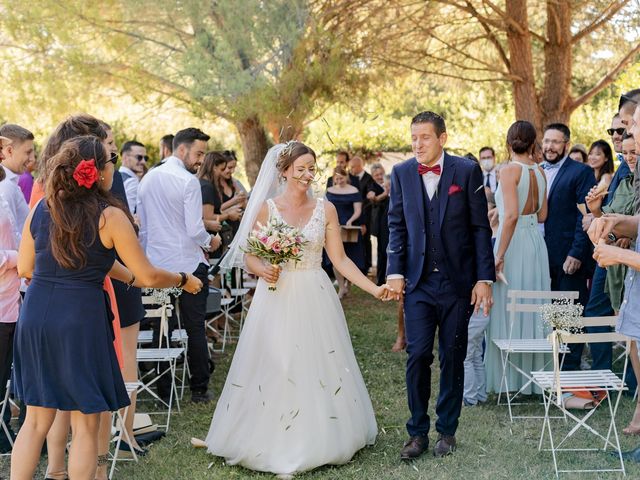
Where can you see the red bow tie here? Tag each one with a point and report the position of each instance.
(422, 169)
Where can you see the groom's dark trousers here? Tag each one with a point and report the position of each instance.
(432, 305)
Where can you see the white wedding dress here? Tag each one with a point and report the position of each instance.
(294, 398)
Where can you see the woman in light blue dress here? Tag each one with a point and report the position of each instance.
(521, 255)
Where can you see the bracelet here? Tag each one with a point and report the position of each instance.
(183, 279)
(130, 282)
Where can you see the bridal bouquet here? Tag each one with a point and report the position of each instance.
(277, 243)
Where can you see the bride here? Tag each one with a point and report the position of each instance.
(294, 398)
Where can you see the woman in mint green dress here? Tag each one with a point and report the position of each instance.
(521, 254)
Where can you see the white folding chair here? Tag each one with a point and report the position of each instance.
(160, 355)
(555, 383)
(520, 303)
(4, 405)
(119, 421)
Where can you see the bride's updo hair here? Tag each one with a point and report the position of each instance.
(290, 153)
(521, 136)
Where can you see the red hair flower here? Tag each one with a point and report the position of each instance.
(86, 173)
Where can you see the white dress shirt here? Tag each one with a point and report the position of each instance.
(550, 171)
(493, 184)
(131, 184)
(15, 201)
(431, 180)
(170, 211)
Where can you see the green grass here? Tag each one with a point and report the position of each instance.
(489, 447)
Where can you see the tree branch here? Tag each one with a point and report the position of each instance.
(607, 80)
(613, 8)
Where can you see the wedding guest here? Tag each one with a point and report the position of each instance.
(601, 160)
(64, 359)
(17, 154)
(74, 126)
(134, 159)
(599, 304)
(9, 298)
(176, 239)
(342, 160)
(215, 221)
(378, 195)
(616, 132)
(25, 181)
(568, 183)
(623, 201)
(166, 147)
(131, 312)
(365, 184)
(579, 153)
(521, 261)
(232, 191)
(348, 202)
(488, 164)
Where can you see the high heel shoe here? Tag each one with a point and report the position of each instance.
(125, 449)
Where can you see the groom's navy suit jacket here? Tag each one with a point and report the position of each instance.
(464, 226)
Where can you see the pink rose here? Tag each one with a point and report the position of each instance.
(295, 250)
(276, 247)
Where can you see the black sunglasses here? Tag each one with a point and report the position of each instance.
(142, 157)
(114, 158)
(619, 131)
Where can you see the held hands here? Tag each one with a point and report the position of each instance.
(270, 273)
(396, 287)
(481, 296)
(499, 265)
(623, 243)
(384, 293)
(193, 285)
(371, 195)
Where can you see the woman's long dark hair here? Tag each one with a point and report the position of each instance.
(608, 166)
(74, 126)
(211, 161)
(75, 210)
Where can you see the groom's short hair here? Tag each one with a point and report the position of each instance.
(433, 118)
(561, 127)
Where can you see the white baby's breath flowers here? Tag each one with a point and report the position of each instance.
(162, 296)
(563, 315)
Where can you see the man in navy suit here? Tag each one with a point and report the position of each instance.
(440, 257)
(569, 247)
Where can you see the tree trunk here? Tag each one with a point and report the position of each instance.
(521, 63)
(255, 144)
(555, 99)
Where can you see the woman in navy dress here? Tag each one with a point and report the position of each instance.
(348, 202)
(64, 357)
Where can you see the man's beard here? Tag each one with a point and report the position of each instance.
(558, 158)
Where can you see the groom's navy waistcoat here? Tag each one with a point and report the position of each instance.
(435, 249)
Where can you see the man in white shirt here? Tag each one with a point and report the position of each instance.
(173, 235)
(134, 158)
(16, 156)
(488, 164)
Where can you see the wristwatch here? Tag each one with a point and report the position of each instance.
(611, 237)
(488, 282)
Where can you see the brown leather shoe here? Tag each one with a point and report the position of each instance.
(414, 447)
(445, 445)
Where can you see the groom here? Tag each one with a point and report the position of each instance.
(440, 257)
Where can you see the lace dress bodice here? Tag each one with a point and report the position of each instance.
(314, 233)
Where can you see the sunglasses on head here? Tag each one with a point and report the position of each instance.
(619, 131)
